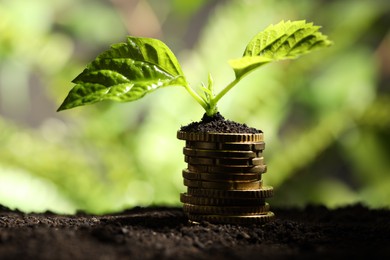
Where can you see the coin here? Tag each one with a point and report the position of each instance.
(201, 161)
(219, 153)
(224, 161)
(226, 185)
(235, 146)
(225, 210)
(263, 192)
(211, 201)
(233, 219)
(258, 161)
(239, 177)
(220, 137)
(228, 169)
(258, 146)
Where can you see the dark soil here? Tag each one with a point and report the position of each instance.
(164, 233)
(218, 124)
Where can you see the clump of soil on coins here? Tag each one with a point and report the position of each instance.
(218, 124)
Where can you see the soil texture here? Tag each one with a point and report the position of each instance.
(218, 124)
(165, 233)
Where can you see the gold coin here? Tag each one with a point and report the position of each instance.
(263, 192)
(254, 146)
(225, 210)
(220, 137)
(238, 177)
(226, 185)
(199, 161)
(220, 153)
(258, 146)
(210, 201)
(240, 219)
(243, 162)
(258, 161)
(227, 169)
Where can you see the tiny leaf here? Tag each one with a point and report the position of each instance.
(126, 72)
(285, 40)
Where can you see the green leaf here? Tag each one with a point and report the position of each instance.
(248, 63)
(285, 40)
(126, 72)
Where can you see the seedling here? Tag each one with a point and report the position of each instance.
(128, 71)
(224, 184)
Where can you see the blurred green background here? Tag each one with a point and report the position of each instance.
(326, 116)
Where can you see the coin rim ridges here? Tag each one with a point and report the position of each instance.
(229, 185)
(226, 210)
(221, 177)
(239, 162)
(228, 169)
(236, 146)
(220, 137)
(215, 201)
(222, 219)
(263, 192)
(194, 152)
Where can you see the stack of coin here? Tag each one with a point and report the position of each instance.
(223, 178)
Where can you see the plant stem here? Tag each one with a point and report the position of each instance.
(210, 105)
(225, 90)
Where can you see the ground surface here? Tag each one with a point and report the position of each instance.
(164, 233)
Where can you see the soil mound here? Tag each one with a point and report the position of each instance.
(218, 124)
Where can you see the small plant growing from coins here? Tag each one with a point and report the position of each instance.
(223, 174)
(128, 71)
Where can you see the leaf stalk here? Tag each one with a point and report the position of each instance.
(226, 90)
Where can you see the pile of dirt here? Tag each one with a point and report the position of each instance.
(165, 233)
(218, 124)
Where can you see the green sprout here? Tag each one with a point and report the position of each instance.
(128, 71)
